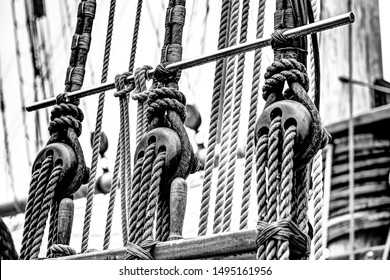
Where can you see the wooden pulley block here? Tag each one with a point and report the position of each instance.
(62, 154)
(167, 140)
(291, 113)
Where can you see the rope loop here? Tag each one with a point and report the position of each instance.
(141, 75)
(285, 230)
(289, 70)
(140, 251)
(60, 250)
(122, 87)
(165, 99)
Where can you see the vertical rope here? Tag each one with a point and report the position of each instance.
(213, 129)
(235, 122)
(97, 134)
(123, 178)
(36, 193)
(274, 175)
(53, 230)
(286, 185)
(153, 195)
(318, 199)
(249, 148)
(111, 203)
(261, 164)
(302, 199)
(44, 213)
(226, 121)
(135, 197)
(147, 167)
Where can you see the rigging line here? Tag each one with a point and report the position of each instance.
(97, 134)
(21, 81)
(6, 139)
(47, 58)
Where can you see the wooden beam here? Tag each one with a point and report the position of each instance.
(237, 245)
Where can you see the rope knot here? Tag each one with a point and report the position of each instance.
(121, 85)
(163, 75)
(165, 99)
(140, 251)
(66, 114)
(289, 70)
(285, 230)
(60, 250)
(140, 77)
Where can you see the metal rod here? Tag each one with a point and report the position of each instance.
(185, 64)
(365, 84)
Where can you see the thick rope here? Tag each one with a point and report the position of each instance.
(123, 169)
(261, 164)
(44, 213)
(146, 176)
(53, 229)
(226, 121)
(7, 247)
(273, 180)
(135, 197)
(228, 205)
(250, 143)
(97, 134)
(286, 186)
(37, 189)
(318, 202)
(135, 36)
(153, 196)
(213, 129)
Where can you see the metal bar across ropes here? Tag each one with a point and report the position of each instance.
(304, 30)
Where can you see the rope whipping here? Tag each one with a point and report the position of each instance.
(99, 120)
(250, 146)
(235, 122)
(219, 83)
(226, 121)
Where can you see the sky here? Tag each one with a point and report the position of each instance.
(195, 83)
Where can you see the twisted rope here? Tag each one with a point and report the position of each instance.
(212, 141)
(235, 122)
(147, 168)
(37, 189)
(135, 35)
(153, 196)
(302, 199)
(162, 226)
(226, 121)
(123, 178)
(98, 128)
(286, 186)
(273, 180)
(261, 164)
(318, 199)
(140, 95)
(36, 241)
(7, 247)
(53, 230)
(135, 197)
(62, 250)
(250, 143)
